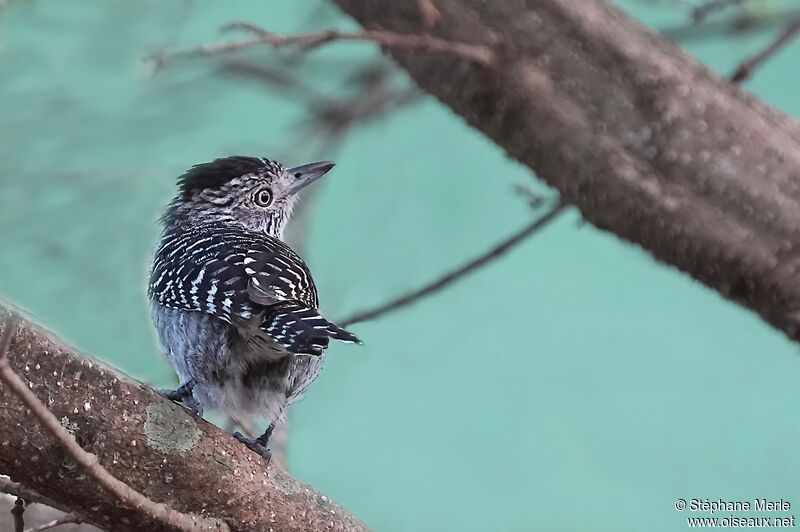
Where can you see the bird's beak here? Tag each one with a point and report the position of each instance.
(308, 173)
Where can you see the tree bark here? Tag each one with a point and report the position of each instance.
(644, 140)
(149, 442)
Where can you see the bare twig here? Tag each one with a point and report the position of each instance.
(430, 13)
(460, 272)
(481, 55)
(702, 11)
(532, 198)
(330, 121)
(17, 510)
(66, 519)
(244, 25)
(89, 461)
(275, 77)
(747, 67)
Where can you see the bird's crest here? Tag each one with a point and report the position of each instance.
(220, 171)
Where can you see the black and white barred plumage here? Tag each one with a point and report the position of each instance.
(245, 279)
(235, 308)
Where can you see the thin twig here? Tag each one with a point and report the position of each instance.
(273, 76)
(331, 121)
(701, 12)
(533, 199)
(243, 25)
(449, 278)
(747, 67)
(17, 510)
(126, 494)
(66, 519)
(481, 55)
(430, 13)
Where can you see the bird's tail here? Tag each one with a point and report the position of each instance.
(302, 330)
(338, 333)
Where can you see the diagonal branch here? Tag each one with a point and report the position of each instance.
(708, 7)
(451, 277)
(747, 67)
(481, 55)
(122, 491)
(646, 142)
(144, 440)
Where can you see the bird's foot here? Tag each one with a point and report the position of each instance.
(179, 393)
(183, 395)
(257, 445)
(193, 404)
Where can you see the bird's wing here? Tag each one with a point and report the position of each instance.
(243, 278)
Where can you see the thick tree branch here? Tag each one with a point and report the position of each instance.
(644, 140)
(126, 495)
(146, 441)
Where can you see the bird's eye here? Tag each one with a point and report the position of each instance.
(264, 197)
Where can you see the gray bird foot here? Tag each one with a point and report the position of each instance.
(193, 404)
(178, 394)
(258, 445)
(255, 444)
(183, 395)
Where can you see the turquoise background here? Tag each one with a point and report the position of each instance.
(575, 384)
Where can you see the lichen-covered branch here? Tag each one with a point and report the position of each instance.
(645, 141)
(150, 443)
(126, 495)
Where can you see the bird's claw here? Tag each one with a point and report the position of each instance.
(183, 396)
(184, 390)
(255, 445)
(193, 404)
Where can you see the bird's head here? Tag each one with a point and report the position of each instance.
(254, 192)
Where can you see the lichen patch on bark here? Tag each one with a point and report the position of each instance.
(169, 429)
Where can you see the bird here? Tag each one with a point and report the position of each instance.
(235, 309)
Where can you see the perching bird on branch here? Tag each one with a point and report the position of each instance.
(234, 307)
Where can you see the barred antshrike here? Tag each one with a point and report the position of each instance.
(234, 307)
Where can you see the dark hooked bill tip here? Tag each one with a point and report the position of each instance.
(308, 173)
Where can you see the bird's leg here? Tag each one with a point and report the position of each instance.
(183, 394)
(178, 394)
(193, 405)
(258, 445)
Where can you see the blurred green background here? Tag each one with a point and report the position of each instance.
(575, 384)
